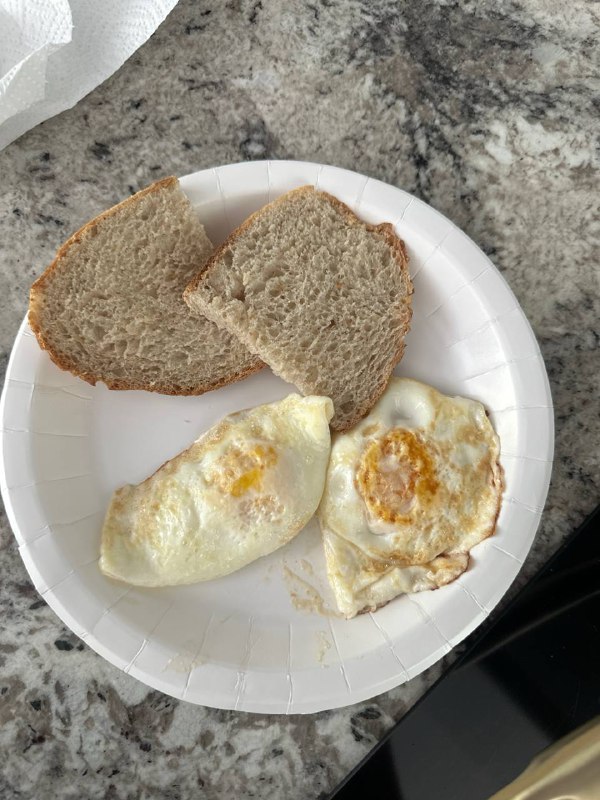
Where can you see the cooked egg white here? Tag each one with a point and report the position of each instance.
(409, 491)
(243, 489)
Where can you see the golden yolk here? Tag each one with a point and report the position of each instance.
(396, 472)
(239, 470)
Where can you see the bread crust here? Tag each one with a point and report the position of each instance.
(63, 362)
(394, 242)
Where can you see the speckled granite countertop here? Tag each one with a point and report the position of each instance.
(488, 113)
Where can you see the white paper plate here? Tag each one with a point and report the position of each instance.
(240, 642)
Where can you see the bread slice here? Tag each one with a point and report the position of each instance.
(319, 295)
(110, 308)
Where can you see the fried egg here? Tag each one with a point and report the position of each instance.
(409, 491)
(243, 489)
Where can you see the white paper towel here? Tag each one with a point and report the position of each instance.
(53, 52)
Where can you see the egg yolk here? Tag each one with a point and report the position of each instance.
(396, 473)
(239, 470)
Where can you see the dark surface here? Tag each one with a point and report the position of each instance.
(530, 679)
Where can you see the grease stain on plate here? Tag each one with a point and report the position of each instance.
(324, 644)
(304, 596)
(307, 566)
(185, 661)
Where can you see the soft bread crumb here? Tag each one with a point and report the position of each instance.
(319, 295)
(109, 308)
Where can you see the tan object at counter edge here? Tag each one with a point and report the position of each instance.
(568, 770)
